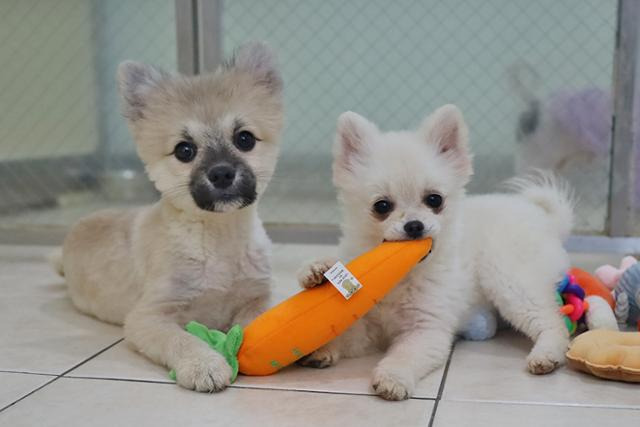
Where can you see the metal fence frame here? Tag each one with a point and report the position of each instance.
(199, 35)
(199, 31)
(199, 48)
(621, 180)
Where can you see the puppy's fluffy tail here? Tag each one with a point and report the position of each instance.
(55, 259)
(550, 192)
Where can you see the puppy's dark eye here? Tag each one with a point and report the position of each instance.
(382, 207)
(244, 140)
(433, 201)
(185, 151)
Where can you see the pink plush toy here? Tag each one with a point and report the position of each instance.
(625, 284)
(610, 275)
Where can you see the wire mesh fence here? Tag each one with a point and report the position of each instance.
(533, 79)
(500, 61)
(64, 148)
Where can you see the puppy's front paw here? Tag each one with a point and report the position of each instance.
(543, 360)
(547, 353)
(391, 385)
(319, 359)
(208, 373)
(313, 274)
(540, 364)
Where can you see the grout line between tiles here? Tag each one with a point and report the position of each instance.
(91, 357)
(441, 388)
(236, 387)
(345, 393)
(57, 377)
(130, 380)
(554, 404)
(29, 394)
(6, 371)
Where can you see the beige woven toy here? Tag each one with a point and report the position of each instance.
(607, 354)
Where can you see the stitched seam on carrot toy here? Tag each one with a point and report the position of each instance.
(333, 295)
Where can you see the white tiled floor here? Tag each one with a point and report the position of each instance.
(492, 414)
(58, 367)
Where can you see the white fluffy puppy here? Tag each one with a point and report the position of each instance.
(499, 249)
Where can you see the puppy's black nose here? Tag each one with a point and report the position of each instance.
(414, 229)
(221, 176)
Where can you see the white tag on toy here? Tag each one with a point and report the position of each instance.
(343, 280)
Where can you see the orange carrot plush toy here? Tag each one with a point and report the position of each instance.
(313, 317)
(592, 285)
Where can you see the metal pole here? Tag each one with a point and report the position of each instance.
(199, 35)
(622, 182)
(187, 36)
(210, 34)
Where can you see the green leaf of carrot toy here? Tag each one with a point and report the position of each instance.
(226, 344)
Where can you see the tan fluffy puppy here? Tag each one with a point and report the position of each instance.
(209, 144)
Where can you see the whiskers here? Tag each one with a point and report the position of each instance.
(266, 177)
(179, 190)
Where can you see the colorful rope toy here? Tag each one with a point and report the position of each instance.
(570, 297)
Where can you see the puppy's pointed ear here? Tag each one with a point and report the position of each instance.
(135, 82)
(350, 149)
(447, 130)
(257, 59)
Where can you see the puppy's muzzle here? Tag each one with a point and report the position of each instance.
(414, 229)
(221, 176)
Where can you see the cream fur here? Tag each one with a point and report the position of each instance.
(503, 249)
(156, 268)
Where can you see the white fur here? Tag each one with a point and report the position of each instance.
(503, 249)
(600, 315)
